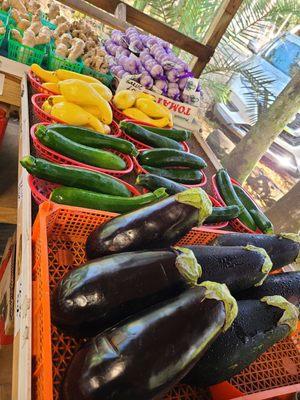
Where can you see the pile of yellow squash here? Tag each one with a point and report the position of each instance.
(143, 107)
(80, 99)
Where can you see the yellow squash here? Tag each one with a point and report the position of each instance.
(103, 90)
(124, 99)
(53, 87)
(151, 108)
(63, 74)
(46, 106)
(55, 99)
(137, 114)
(73, 114)
(43, 74)
(142, 95)
(82, 93)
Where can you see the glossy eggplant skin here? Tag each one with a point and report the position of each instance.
(282, 251)
(104, 291)
(251, 334)
(286, 285)
(153, 227)
(143, 357)
(235, 266)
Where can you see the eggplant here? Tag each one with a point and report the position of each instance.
(141, 358)
(155, 226)
(286, 285)
(259, 325)
(238, 267)
(283, 249)
(102, 292)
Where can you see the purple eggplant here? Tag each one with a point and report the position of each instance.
(141, 358)
(154, 227)
(101, 293)
(259, 325)
(286, 285)
(239, 267)
(283, 249)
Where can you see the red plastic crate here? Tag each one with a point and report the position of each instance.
(51, 155)
(3, 125)
(59, 236)
(236, 224)
(36, 84)
(139, 145)
(141, 170)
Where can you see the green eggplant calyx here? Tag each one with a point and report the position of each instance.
(291, 312)
(197, 198)
(219, 291)
(160, 193)
(267, 265)
(28, 162)
(295, 237)
(187, 265)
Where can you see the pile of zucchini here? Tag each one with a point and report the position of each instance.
(89, 189)
(250, 214)
(85, 145)
(154, 314)
(156, 137)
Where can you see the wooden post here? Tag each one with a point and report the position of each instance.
(222, 19)
(121, 12)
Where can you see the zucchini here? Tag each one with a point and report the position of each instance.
(143, 357)
(286, 285)
(152, 227)
(80, 152)
(259, 325)
(180, 135)
(229, 196)
(145, 136)
(260, 219)
(90, 138)
(221, 214)
(283, 249)
(238, 267)
(75, 177)
(98, 201)
(187, 176)
(152, 182)
(129, 283)
(171, 158)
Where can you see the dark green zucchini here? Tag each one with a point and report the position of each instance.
(152, 227)
(187, 176)
(142, 357)
(260, 219)
(286, 285)
(180, 135)
(259, 325)
(229, 196)
(221, 214)
(152, 182)
(80, 152)
(74, 177)
(99, 201)
(91, 138)
(150, 138)
(238, 267)
(171, 158)
(283, 249)
(122, 285)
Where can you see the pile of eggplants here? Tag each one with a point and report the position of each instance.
(154, 313)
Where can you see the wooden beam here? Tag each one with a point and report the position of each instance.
(96, 13)
(157, 28)
(217, 28)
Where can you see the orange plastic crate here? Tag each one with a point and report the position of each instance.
(59, 236)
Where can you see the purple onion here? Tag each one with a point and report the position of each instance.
(146, 80)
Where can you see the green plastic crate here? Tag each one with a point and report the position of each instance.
(106, 79)
(55, 62)
(25, 54)
(45, 21)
